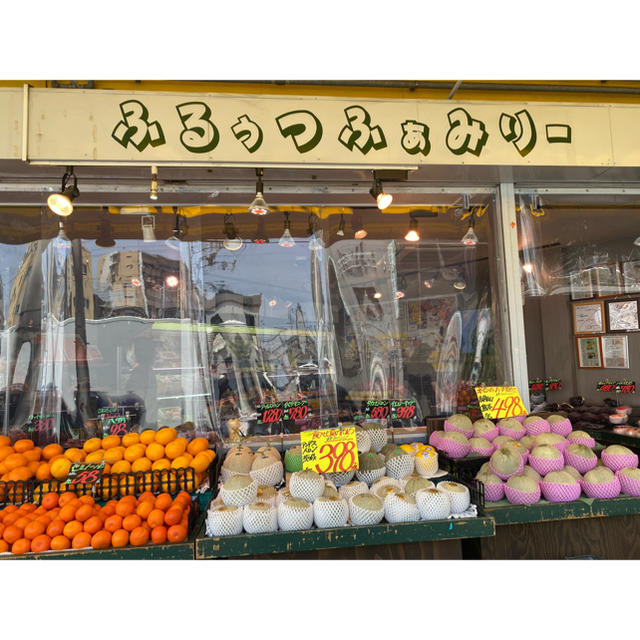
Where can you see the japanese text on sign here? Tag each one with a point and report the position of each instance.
(114, 423)
(85, 473)
(40, 423)
(329, 450)
(545, 384)
(295, 410)
(270, 412)
(377, 409)
(500, 402)
(622, 386)
(403, 409)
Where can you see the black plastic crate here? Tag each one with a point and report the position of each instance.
(476, 490)
(464, 468)
(16, 491)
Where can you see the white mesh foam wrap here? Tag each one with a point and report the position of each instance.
(363, 441)
(306, 487)
(398, 510)
(433, 506)
(224, 523)
(378, 438)
(341, 477)
(352, 489)
(459, 501)
(426, 465)
(330, 513)
(283, 495)
(292, 518)
(263, 494)
(225, 474)
(369, 477)
(400, 466)
(260, 521)
(270, 451)
(361, 516)
(384, 481)
(240, 497)
(271, 475)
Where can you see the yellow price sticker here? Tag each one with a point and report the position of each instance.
(329, 450)
(500, 402)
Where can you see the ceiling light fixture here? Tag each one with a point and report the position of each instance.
(377, 295)
(153, 192)
(61, 203)
(527, 267)
(460, 285)
(286, 240)
(412, 235)
(172, 281)
(259, 207)
(232, 241)
(359, 232)
(340, 231)
(470, 239)
(378, 194)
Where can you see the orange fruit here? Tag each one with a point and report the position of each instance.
(113, 523)
(81, 540)
(197, 445)
(5, 441)
(163, 501)
(173, 516)
(3, 468)
(83, 513)
(52, 450)
(110, 441)
(156, 518)
(147, 436)
(20, 446)
(122, 466)
(11, 533)
(130, 438)
(72, 528)
(20, 546)
(56, 528)
(33, 454)
(68, 512)
(22, 522)
(15, 460)
(91, 445)
(60, 468)
(131, 521)
(166, 435)
(74, 454)
(41, 543)
(175, 448)
(20, 474)
(93, 525)
(154, 451)
(159, 465)
(134, 452)
(4, 547)
(177, 533)
(95, 456)
(107, 469)
(43, 472)
(34, 529)
(101, 539)
(201, 462)
(183, 498)
(45, 519)
(159, 534)
(87, 500)
(120, 538)
(109, 509)
(141, 465)
(146, 495)
(5, 450)
(138, 537)
(123, 509)
(144, 509)
(58, 543)
(114, 454)
(127, 486)
(66, 497)
(33, 466)
(179, 463)
(211, 453)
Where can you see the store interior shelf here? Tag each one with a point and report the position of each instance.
(610, 437)
(292, 541)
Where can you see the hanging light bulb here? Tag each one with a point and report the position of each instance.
(399, 294)
(340, 231)
(470, 239)
(412, 235)
(637, 241)
(359, 232)
(261, 235)
(61, 203)
(259, 207)
(286, 239)
(232, 241)
(153, 192)
(460, 285)
(383, 199)
(178, 233)
(527, 267)
(377, 295)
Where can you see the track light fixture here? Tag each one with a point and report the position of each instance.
(232, 241)
(259, 207)
(378, 194)
(470, 239)
(359, 232)
(286, 240)
(340, 231)
(61, 203)
(153, 192)
(412, 235)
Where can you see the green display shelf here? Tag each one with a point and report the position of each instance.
(342, 537)
(607, 437)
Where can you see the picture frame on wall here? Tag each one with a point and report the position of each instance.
(589, 352)
(615, 352)
(631, 276)
(588, 317)
(623, 315)
(581, 283)
(608, 278)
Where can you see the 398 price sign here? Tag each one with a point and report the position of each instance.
(403, 409)
(329, 450)
(85, 473)
(377, 409)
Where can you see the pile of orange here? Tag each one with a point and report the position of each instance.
(134, 452)
(68, 521)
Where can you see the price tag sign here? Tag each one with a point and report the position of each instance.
(40, 423)
(500, 402)
(85, 473)
(329, 450)
(622, 386)
(536, 385)
(553, 384)
(270, 412)
(295, 410)
(113, 421)
(377, 409)
(403, 409)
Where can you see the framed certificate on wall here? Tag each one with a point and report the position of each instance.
(615, 352)
(588, 317)
(589, 352)
(608, 280)
(623, 315)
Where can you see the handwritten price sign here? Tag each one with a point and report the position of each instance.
(500, 402)
(85, 473)
(377, 409)
(622, 386)
(295, 410)
(403, 409)
(40, 423)
(329, 450)
(114, 423)
(270, 412)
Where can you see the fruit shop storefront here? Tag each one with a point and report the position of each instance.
(192, 284)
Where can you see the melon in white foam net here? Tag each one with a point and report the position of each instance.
(560, 477)
(415, 484)
(506, 460)
(546, 451)
(523, 482)
(599, 475)
(482, 426)
(461, 421)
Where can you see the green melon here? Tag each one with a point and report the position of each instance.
(523, 482)
(546, 451)
(293, 459)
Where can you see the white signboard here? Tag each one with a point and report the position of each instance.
(68, 126)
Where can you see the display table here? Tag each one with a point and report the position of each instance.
(437, 539)
(608, 529)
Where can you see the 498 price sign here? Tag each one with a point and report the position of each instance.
(500, 402)
(329, 450)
